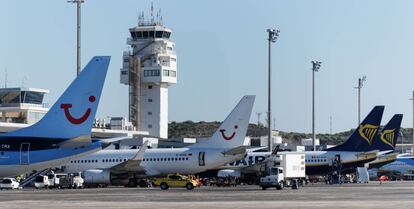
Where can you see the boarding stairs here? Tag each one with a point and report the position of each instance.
(32, 177)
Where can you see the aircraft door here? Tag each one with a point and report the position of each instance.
(24, 153)
(201, 159)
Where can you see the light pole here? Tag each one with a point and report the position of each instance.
(273, 34)
(359, 87)
(315, 68)
(78, 34)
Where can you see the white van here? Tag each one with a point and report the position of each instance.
(42, 181)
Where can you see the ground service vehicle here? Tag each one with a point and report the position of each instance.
(70, 182)
(54, 179)
(9, 183)
(42, 181)
(283, 170)
(175, 180)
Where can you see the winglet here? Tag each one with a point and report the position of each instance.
(140, 154)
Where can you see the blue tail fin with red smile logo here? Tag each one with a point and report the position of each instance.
(73, 114)
(362, 138)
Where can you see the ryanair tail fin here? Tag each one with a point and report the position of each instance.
(73, 114)
(387, 138)
(232, 132)
(363, 136)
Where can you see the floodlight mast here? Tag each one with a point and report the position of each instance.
(316, 65)
(359, 87)
(273, 35)
(78, 34)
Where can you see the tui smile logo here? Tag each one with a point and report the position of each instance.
(222, 131)
(80, 120)
(368, 132)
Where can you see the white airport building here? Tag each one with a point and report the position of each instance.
(20, 106)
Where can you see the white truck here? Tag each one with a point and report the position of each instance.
(283, 170)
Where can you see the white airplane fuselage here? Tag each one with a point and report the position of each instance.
(157, 161)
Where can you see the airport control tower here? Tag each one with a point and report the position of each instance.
(149, 68)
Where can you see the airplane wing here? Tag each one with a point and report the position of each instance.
(133, 164)
(110, 140)
(86, 140)
(254, 149)
(235, 151)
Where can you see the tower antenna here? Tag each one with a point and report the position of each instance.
(152, 12)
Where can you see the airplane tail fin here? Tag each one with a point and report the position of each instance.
(387, 138)
(362, 138)
(73, 113)
(232, 131)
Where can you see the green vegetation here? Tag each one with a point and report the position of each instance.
(204, 129)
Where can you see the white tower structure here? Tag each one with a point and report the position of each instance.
(149, 68)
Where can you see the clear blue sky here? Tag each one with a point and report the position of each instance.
(222, 55)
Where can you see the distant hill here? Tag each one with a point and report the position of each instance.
(192, 129)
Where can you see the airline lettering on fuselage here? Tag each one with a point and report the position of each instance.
(250, 160)
(368, 132)
(387, 136)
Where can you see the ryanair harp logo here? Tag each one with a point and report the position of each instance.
(387, 136)
(368, 132)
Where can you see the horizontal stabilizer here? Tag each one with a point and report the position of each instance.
(368, 155)
(236, 151)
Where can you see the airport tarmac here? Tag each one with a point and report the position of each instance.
(372, 195)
